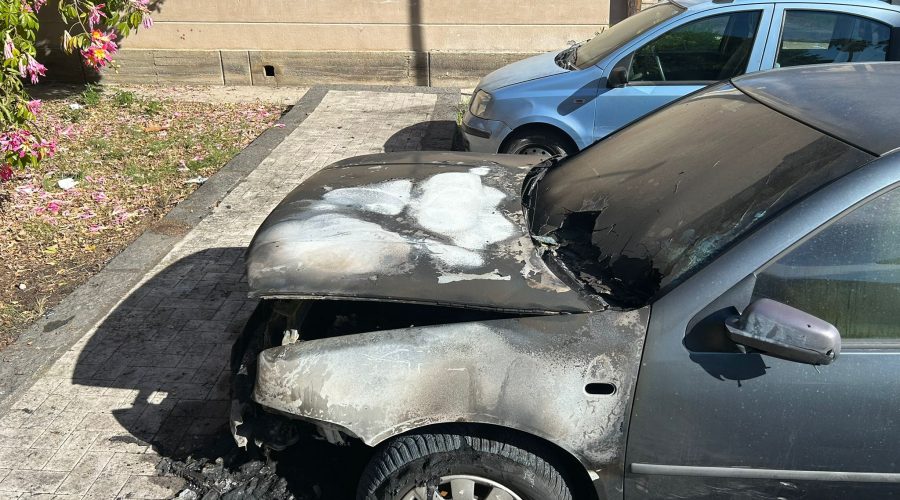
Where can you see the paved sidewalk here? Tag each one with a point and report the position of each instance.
(150, 377)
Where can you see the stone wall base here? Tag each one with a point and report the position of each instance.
(298, 68)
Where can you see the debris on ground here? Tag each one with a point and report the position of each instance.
(199, 180)
(310, 470)
(254, 479)
(66, 184)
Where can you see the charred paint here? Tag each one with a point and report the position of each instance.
(419, 228)
(525, 373)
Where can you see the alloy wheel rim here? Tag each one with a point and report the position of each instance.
(463, 487)
(535, 150)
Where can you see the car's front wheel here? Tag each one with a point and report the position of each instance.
(543, 143)
(460, 466)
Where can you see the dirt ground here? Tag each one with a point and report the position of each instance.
(126, 156)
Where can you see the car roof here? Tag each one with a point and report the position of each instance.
(857, 103)
(705, 4)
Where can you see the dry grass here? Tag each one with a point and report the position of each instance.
(133, 158)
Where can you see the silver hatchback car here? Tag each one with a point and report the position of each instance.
(560, 102)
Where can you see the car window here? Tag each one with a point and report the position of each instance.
(848, 274)
(643, 209)
(816, 37)
(714, 48)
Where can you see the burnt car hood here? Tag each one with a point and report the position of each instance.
(432, 228)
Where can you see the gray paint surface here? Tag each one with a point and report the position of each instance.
(725, 409)
(854, 102)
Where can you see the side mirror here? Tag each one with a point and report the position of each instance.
(785, 332)
(618, 77)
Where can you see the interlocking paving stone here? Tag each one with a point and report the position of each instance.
(152, 377)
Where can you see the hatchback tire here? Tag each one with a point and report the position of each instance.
(462, 465)
(544, 143)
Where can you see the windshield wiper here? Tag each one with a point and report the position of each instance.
(566, 59)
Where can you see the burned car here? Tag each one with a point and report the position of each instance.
(703, 304)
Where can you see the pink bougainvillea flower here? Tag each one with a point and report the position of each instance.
(100, 38)
(53, 207)
(95, 56)
(8, 47)
(38, 4)
(143, 6)
(35, 69)
(45, 149)
(95, 14)
(22, 144)
(34, 106)
(99, 196)
(6, 173)
(95, 228)
(101, 50)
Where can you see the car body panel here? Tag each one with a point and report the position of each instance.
(756, 415)
(540, 101)
(417, 228)
(535, 379)
(531, 68)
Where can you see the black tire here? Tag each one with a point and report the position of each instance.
(407, 462)
(552, 143)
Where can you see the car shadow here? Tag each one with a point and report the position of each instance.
(437, 135)
(161, 360)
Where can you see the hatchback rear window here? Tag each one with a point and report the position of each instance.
(646, 207)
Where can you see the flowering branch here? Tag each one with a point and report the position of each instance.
(93, 31)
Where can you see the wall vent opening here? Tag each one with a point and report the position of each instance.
(269, 69)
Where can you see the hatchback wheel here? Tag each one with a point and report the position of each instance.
(540, 143)
(461, 466)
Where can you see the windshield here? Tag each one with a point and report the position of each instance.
(595, 49)
(643, 209)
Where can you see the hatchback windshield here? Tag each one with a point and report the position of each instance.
(595, 49)
(643, 209)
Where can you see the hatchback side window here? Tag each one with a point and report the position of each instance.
(714, 48)
(816, 37)
(847, 274)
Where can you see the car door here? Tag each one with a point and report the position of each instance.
(662, 67)
(811, 33)
(711, 421)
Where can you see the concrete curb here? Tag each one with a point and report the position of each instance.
(44, 342)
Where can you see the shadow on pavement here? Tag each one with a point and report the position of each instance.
(162, 357)
(439, 135)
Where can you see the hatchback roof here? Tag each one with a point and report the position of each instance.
(718, 3)
(857, 103)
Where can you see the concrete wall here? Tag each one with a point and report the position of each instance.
(302, 42)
